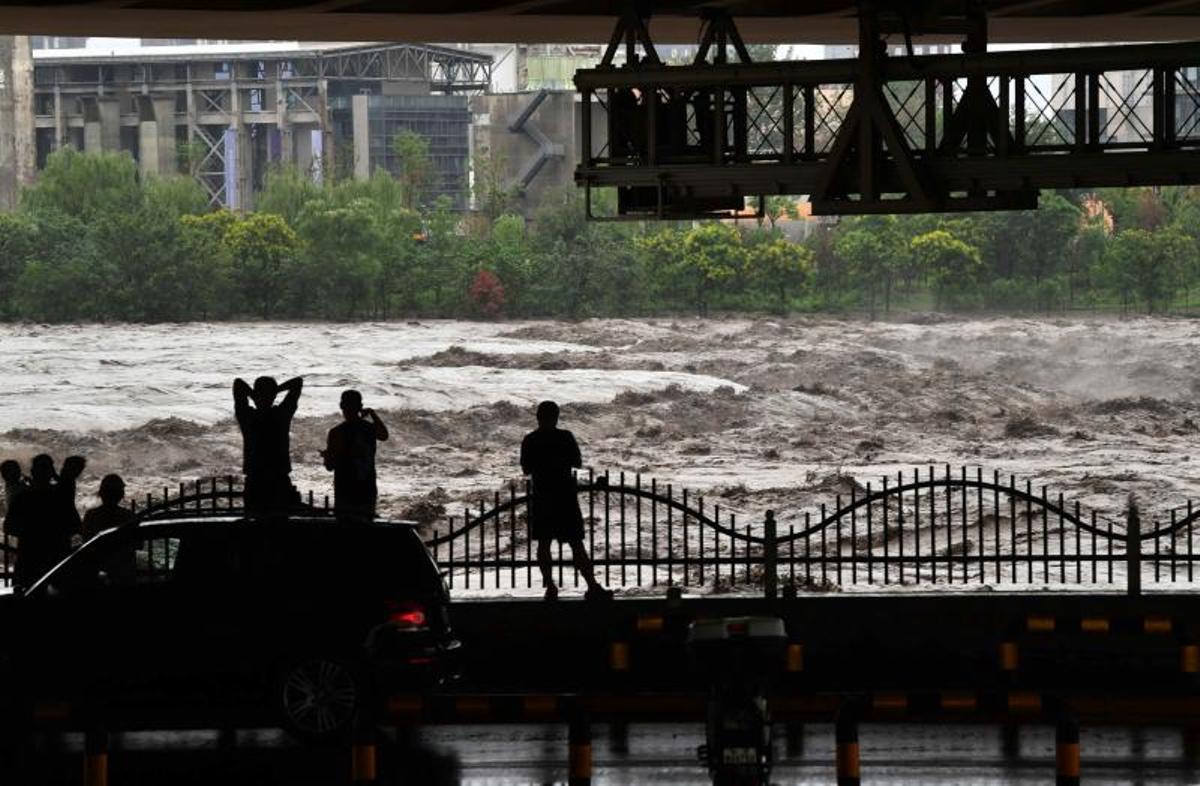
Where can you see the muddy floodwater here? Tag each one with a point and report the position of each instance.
(755, 413)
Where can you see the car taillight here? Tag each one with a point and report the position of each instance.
(406, 614)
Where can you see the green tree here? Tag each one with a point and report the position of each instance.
(494, 197)
(776, 209)
(1147, 266)
(206, 265)
(955, 268)
(414, 167)
(510, 256)
(867, 259)
(263, 251)
(175, 196)
(712, 254)
(65, 278)
(85, 185)
(19, 242)
(286, 192)
(341, 258)
(781, 267)
(1085, 258)
(190, 157)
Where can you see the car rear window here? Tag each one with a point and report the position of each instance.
(371, 557)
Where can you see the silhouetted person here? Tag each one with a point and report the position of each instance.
(43, 518)
(548, 456)
(68, 480)
(266, 441)
(109, 514)
(350, 453)
(14, 481)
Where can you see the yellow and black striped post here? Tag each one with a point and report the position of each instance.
(1191, 744)
(1066, 746)
(618, 657)
(95, 757)
(794, 739)
(364, 755)
(846, 735)
(618, 736)
(1010, 658)
(579, 749)
(1189, 659)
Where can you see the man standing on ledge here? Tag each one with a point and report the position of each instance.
(350, 454)
(266, 440)
(548, 456)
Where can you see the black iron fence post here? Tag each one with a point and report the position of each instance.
(770, 557)
(1133, 550)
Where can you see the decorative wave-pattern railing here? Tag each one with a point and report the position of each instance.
(927, 528)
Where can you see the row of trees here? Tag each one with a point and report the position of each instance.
(1120, 248)
(94, 241)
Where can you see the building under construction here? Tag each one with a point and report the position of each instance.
(226, 112)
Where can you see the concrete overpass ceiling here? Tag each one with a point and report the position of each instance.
(573, 21)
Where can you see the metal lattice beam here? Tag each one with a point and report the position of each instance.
(943, 132)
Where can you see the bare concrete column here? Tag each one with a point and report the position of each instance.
(60, 119)
(242, 158)
(283, 122)
(328, 157)
(8, 165)
(190, 98)
(93, 138)
(362, 137)
(164, 118)
(109, 110)
(17, 149)
(25, 135)
(147, 136)
(148, 147)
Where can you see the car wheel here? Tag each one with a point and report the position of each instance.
(318, 698)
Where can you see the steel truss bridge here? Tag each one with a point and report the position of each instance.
(887, 132)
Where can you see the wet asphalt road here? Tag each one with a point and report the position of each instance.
(660, 754)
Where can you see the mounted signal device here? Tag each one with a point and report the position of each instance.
(739, 656)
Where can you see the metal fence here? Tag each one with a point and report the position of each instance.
(927, 528)
(930, 528)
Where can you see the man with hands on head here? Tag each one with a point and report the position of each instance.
(266, 440)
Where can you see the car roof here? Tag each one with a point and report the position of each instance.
(158, 524)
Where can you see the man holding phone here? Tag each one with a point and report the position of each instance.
(350, 454)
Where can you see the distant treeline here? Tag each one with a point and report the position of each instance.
(92, 240)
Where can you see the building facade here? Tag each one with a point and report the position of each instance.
(226, 112)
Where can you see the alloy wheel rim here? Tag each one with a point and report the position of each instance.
(319, 696)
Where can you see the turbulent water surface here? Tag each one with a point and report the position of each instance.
(760, 413)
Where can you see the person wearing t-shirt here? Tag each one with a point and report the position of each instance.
(266, 441)
(550, 456)
(110, 513)
(350, 454)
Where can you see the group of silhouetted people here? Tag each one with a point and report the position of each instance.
(549, 455)
(266, 442)
(42, 513)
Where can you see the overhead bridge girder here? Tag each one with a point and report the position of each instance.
(894, 134)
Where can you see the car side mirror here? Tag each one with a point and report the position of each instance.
(102, 578)
(52, 591)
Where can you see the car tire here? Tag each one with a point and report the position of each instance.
(317, 698)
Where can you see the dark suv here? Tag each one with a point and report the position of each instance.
(307, 617)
